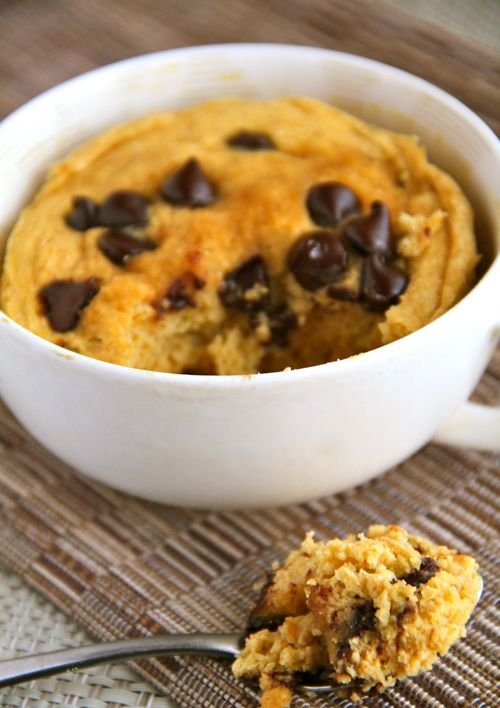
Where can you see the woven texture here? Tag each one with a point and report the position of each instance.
(31, 624)
(478, 20)
(121, 567)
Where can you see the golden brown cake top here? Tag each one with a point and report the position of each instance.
(239, 236)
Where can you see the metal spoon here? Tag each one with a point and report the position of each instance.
(222, 646)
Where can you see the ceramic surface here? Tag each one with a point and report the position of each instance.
(270, 439)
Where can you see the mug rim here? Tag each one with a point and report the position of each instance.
(337, 367)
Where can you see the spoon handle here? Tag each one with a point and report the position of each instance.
(25, 668)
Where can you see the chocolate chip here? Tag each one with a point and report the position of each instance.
(64, 300)
(281, 322)
(180, 294)
(371, 233)
(330, 202)
(123, 208)
(363, 618)
(247, 140)
(247, 287)
(83, 214)
(270, 622)
(119, 246)
(189, 187)
(381, 284)
(259, 617)
(321, 677)
(317, 259)
(428, 569)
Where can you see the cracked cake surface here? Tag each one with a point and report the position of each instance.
(239, 236)
(363, 611)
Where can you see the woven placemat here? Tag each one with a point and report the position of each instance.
(124, 567)
(118, 566)
(477, 20)
(29, 624)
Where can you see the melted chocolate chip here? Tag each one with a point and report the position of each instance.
(313, 678)
(271, 622)
(381, 284)
(281, 322)
(123, 208)
(83, 214)
(118, 246)
(362, 619)
(247, 140)
(371, 233)
(180, 294)
(330, 202)
(428, 569)
(247, 287)
(189, 187)
(317, 259)
(259, 618)
(64, 300)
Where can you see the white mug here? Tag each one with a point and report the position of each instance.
(267, 439)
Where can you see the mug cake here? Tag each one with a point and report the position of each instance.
(239, 236)
(360, 612)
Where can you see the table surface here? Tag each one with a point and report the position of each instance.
(45, 43)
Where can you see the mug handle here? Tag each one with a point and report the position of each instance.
(472, 425)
